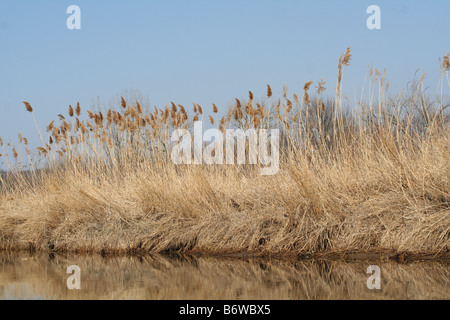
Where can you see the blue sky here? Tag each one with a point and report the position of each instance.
(202, 51)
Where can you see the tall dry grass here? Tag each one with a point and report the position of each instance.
(370, 176)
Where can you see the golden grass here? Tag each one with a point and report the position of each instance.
(374, 180)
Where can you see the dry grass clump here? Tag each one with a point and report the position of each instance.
(371, 178)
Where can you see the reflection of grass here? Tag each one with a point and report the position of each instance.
(159, 277)
(374, 179)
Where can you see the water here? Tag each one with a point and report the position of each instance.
(26, 276)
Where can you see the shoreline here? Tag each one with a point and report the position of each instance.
(402, 257)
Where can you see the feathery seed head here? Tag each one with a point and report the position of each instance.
(28, 106)
(269, 91)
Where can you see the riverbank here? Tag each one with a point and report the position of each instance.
(369, 198)
(374, 176)
(307, 209)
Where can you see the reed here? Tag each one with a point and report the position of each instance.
(374, 176)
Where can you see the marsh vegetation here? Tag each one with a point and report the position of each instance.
(373, 175)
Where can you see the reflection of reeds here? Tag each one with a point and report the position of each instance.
(377, 179)
(160, 277)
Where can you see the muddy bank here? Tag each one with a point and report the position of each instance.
(374, 255)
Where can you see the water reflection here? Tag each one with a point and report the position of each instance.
(25, 276)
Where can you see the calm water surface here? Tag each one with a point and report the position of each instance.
(26, 276)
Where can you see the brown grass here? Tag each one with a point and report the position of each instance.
(373, 180)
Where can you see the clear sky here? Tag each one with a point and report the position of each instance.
(203, 51)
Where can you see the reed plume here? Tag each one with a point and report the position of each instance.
(446, 63)
(306, 100)
(78, 109)
(28, 106)
(269, 91)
